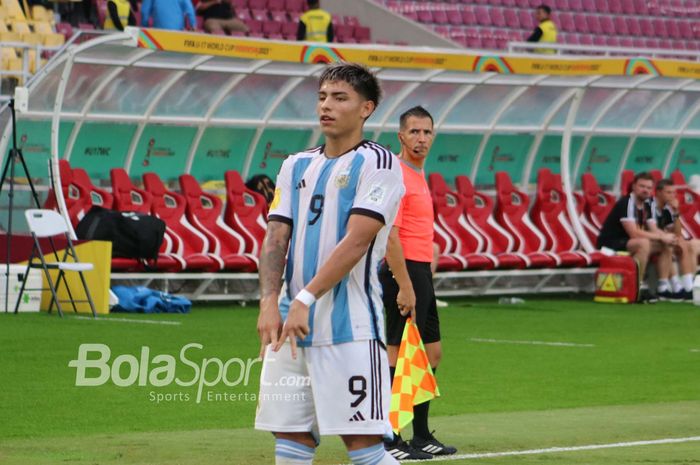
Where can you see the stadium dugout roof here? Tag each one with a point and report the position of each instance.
(172, 102)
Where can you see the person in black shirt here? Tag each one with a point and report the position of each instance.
(219, 17)
(631, 226)
(665, 208)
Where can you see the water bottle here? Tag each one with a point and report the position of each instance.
(696, 291)
(510, 301)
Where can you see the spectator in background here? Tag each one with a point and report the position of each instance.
(220, 17)
(120, 13)
(546, 31)
(316, 25)
(168, 14)
(263, 185)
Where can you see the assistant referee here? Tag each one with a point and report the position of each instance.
(406, 277)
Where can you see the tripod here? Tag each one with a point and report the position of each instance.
(14, 155)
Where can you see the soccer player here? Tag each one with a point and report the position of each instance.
(325, 369)
(665, 208)
(630, 226)
(407, 277)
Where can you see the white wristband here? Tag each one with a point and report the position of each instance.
(305, 297)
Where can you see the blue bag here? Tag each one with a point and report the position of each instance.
(144, 300)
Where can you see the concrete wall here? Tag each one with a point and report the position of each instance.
(386, 25)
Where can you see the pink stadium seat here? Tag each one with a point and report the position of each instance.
(685, 29)
(526, 19)
(665, 44)
(239, 4)
(289, 30)
(522, 3)
(497, 17)
(362, 34)
(562, 5)
(468, 17)
(271, 28)
(589, 5)
(566, 22)
(275, 5)
(651, 43)
(188, 242)
(455, 18)
(659, 27)
(594, 26)
(425, 16)
(440, 17)
(571, 39)
(204, 213)
(455, 236)
(692, 45)
(129, 198)
(511, 213)
(280, 17)
(599, 40)
(257, 4)
(615, 6)
(342, 32)
(672, 29)
(295, 5)
(601, 6)
(482, 16)
(351, 20)
(585, 39)
(612, 41)
(607, 26)
(641, 7)
(549, 214)
(489, 43)
(575, 5)
(245, 212)
(634, 27)
(626, 42)
(581, 23)
(254, 27)
(511, 18)
(442, 30)
(638, 42)
(243, 14)
(620, 25)
(628, 7)
(478, 211)
(260, 15)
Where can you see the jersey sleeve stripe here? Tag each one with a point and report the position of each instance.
(368, 289)
(366, 212)
(281, 219)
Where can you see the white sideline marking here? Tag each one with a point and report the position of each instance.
(534, 343)
(695, 350)
(129, 320)
(552, 450)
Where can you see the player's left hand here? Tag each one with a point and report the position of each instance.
(296, 326)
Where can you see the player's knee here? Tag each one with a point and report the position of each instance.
(305, 439)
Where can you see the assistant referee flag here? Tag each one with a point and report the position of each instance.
(414, 382)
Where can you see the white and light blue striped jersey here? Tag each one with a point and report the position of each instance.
(316, 195)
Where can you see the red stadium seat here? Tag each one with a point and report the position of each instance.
(99, 197)
(659, 26)
(188, 242)
(566, 22)
(634, 27)
(620, 25)
(204, 212)
(245, 212)
(362, 34)
(497, 17)
(440, 17)
(580, 23)
(295, 5)
(589, 5)
(468, 17)
(128, 197)
(425, 16)
(549, 214)
(607, 26)
(271, 28)
(626, 178)
(594, 26)
(511, 18)
(478, 210)
(482, 16)
(275, 5)
(457, 239)
(75, 195)
(511, 213)
(597, 206)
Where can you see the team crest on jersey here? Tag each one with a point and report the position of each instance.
(342, 180)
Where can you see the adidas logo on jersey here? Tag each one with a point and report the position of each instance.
(357, 417)
(301, 184)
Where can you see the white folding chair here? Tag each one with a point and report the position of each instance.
(48, 224)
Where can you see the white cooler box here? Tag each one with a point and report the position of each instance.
(31, 300)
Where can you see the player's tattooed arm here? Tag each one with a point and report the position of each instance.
(273, 258)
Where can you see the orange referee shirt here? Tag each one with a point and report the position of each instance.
(415, 216)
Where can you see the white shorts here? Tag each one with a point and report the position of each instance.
(341, 389)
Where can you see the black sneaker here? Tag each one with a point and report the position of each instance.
(401, 450)
(669, 296)
(432, 446)
(647, 297)
(685, 296)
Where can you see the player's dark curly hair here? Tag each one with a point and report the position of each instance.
(358, 76)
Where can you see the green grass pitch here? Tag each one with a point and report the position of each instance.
(623, 373)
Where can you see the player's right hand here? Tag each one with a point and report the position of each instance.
(406, 301)
(669, 239)
(269, 323)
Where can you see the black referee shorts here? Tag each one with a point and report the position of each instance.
(426, 310)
